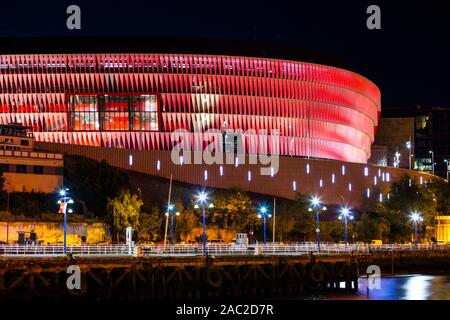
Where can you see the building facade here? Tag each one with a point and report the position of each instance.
(125, 109)
(24, 168)
(136, 101)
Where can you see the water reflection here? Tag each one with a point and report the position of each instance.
(408, 287)
(405, 287)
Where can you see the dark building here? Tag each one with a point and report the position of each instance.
(426, 130)
(432, 140)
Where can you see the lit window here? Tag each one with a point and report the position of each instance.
(333, 178)
(343, 170)
(221, 170)
(366, 172)
(294, 186)
(307, 168)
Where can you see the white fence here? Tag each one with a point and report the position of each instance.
(212, 250)
(58, 250)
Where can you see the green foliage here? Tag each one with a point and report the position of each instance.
(390, 220)
(441, 192)
(234, 210)
(123, 211)
(150, 225)
(93, 182)
(32, 203)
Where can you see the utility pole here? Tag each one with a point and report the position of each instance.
(274, 217)
(167, 216)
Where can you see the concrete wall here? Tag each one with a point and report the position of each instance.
(291, 169)
(52, 232)
(443, 228)
(50, 179)
(393, 133)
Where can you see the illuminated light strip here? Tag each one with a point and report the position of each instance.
(221, 170)
(249, 176)
(294, 185)
(333, 178)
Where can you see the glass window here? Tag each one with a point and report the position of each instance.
(112, 112)
(20, 168)
(38, 169)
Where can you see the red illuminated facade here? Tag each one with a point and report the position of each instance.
(137, 100)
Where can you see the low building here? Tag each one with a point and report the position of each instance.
(24, 168)
(443, 228)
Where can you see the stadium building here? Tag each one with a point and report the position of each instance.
(124, 108)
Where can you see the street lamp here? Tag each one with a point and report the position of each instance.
(432, 160)
(447, 169)
(202, 199)
(409, 147)
(315, 201)
(345, 215)
(170, 211)
(416, 218)
(264, 213)
(63, 201)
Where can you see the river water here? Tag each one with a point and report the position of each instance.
(399, 287)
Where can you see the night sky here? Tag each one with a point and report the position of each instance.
(409, 59)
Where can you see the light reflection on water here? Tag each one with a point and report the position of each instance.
(403, 287)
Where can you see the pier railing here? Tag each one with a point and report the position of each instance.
(212, 250)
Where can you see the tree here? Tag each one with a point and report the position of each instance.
(407, 196)
(234, 210)
(150, 225)
(304, 226)
(94, 182)
(123, 211)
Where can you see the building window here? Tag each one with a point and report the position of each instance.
(24, 142)
(20, 168)
(113, 113)
(4, 167)
(38, 169)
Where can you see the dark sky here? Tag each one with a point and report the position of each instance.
(409, 59)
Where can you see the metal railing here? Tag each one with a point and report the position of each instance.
(211, 250)
(58, 250)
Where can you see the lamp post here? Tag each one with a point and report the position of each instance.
(416, 218)
(432, 160)
(170, 211)
(7, 211)
(447, 167)
(409, 147)
(345, 215)
(63, 201)
(202, 198)
(263, 214)
(316, 205)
